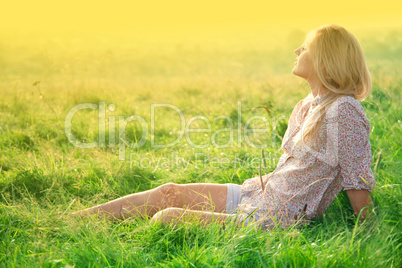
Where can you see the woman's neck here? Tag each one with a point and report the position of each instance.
(317, 88)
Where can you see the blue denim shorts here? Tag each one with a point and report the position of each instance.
(233, 200)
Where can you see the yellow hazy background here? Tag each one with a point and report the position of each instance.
(191, 21)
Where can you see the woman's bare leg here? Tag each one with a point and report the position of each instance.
(193, 196)
(180, 215)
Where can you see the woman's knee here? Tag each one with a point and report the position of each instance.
(167, 187)
(170, 195)
(167, 215)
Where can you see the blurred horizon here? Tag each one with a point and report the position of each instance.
(190, 23)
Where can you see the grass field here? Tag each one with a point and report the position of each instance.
(43, 176)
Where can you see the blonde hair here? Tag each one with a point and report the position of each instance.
(340, 65)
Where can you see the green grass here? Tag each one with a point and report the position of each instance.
(44, 177)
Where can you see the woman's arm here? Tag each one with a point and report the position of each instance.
(359, 199)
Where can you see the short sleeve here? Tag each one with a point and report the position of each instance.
(354, 152)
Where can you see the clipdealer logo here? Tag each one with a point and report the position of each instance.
(148, 129)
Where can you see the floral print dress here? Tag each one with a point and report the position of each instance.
(306, 181)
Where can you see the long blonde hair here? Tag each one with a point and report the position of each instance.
(340, 65)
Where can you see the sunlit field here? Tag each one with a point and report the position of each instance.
(137, 106)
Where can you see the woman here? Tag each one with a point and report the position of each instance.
(326, 149)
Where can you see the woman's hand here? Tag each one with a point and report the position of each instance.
(359, 199)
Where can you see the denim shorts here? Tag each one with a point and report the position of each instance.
(233, 200)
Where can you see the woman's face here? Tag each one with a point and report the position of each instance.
(303, 64)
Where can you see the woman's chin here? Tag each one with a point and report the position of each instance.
(301, 75)
(295, 72)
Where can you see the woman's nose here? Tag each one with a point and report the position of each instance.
(297, 51)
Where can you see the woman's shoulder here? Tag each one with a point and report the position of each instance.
(347, 107)
(350, 100)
